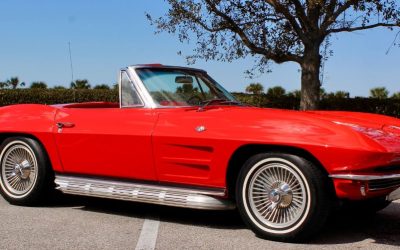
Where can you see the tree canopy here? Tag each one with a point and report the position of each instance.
(273, 30)
(12, 83)
(379, 92)
(38, 85)
(255, 88)
(276, 91)
(396, 95)
(102, 86)
(80, 84)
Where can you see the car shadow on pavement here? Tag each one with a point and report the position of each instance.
(382, 228)
(229, 219)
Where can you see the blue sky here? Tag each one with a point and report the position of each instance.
(108, 35)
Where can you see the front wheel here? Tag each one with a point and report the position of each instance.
(25, 173)
(283, 197)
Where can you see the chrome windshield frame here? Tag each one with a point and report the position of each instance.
(142, 90)
(122, 71)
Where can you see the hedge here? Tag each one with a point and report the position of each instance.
(56, 96)
(53, 96)
(389, 106)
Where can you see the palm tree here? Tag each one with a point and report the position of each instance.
(80, 84)
(276, 92)
(3, 85)
(255, 88)
(342, 94)
(295, 93)
(14, 82)
(322, 93)
(38, 85)
(379, 93)
(101, 86)
(396, 96)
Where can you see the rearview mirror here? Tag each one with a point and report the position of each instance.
(184, 79)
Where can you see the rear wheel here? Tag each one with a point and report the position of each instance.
(283, 197)
(25, 173)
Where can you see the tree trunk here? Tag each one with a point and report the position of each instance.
(310, 83)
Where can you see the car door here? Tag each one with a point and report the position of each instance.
(192, 147)
(112, 142)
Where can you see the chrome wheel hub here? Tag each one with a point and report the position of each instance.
(23, 169)
(18, 169)
(277, 195)
(281, 196)
(274, 196)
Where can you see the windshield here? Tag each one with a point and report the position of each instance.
(177, 87)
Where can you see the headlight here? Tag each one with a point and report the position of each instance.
(387, 132)
(391, 129)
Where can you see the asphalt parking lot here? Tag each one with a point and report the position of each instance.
(87, 223)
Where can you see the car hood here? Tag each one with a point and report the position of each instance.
(324, 128)
(367, 120)
(383, 130)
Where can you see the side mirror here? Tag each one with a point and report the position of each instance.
(184, 79)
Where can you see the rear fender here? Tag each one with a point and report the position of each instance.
(34, 121)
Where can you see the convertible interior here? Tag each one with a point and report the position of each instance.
(92, 105)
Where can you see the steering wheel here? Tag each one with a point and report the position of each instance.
(194, 100)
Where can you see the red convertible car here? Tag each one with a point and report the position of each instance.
(178, 138)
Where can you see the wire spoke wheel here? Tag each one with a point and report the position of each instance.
(282, 196)
(19, 168)
(277, 195)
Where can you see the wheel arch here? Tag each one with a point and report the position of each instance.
(244, 152)
(51, 157)
(5, 135)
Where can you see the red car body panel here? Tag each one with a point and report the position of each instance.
(110, 142)
(184, 146)
(178, 144)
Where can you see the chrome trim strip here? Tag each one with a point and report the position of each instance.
(146, 97)
(150, 66)
(147, 193)
(357, 177)
(384, 188)
(122, 71)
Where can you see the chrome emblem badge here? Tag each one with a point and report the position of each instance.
(200, 129)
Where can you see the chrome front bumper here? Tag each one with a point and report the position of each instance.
(373, 184)
(359, 177)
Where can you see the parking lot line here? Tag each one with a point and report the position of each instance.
(148, 235)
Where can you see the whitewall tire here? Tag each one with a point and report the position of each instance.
(25, 172)
(282, 197)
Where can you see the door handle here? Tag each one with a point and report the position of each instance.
(61, 125)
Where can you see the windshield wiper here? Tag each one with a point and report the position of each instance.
(220, 101)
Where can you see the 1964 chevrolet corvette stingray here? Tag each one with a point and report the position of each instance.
(178, 138)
